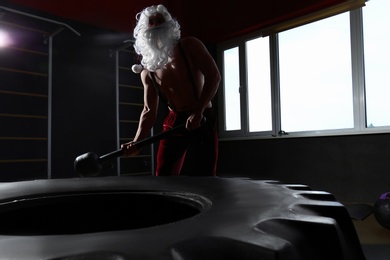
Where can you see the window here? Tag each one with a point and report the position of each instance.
(377, 62)
(302, 82)
(232, 90)
(259, 85)
(315, 76)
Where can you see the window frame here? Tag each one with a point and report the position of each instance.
(358, 92)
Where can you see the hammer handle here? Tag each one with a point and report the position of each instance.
(143, 142)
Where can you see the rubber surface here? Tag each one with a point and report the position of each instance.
(229, 219)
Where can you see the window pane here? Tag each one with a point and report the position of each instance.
(259, 85)
(376, 21)
(316, 77)
(231, 79)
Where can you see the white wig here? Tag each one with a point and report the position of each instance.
(155, 44)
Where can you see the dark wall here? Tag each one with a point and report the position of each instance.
(83, 97)
(354, 168)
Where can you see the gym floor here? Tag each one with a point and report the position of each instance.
(374, 238)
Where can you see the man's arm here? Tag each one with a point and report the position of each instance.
(148, 114)
(205, 63)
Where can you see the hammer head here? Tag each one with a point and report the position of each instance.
(87, 165)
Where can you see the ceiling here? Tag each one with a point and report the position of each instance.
(208, 20)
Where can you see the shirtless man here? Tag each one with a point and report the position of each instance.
(186, 76)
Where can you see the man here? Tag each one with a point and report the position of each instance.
(182, 73)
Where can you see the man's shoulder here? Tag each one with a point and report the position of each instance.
(191, 42)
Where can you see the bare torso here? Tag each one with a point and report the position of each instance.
(175, 81)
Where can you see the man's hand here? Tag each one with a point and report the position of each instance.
(129, 149)
(194, 121)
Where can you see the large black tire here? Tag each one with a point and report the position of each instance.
(172, 218)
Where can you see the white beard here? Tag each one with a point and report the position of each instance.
(156, 44)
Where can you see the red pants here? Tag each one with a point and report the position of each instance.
(203, 143)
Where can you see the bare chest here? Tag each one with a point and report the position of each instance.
(175, 77)
(176, 85)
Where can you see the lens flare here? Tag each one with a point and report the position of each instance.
(4, 39)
